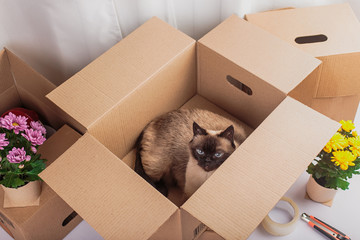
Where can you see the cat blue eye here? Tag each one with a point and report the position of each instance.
(199, 151)
(218, 154)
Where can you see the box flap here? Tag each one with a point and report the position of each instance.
(253, 179)
(171, 229)
(25, 77)
(8, 94)
(58, 143)
(7, 80)
(32, 88)
(120, 71)
(331, 33)
(337, 22)
(104, 191)
(339, 108)
(260, 53)
(339, 76)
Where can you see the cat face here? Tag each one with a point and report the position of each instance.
(211, 148)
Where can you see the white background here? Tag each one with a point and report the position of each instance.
(58, 38)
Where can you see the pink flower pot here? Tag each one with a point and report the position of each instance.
(319, 193)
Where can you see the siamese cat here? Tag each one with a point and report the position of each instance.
(184, 147)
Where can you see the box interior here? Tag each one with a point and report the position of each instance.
(181, 78)
(197, 101)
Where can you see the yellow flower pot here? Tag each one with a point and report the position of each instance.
(319, 193)
(27, 195)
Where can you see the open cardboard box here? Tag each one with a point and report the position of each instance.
(21, 86)
(236, 69)
(332, 34)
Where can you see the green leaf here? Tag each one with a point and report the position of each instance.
(310, 169)
(318, 175)
(331, 183)
(38, 164)
(17, 182)
(36, 170)
(32, 177)
(36, 157)
(342, 184)
(12, 180)
(38, 167)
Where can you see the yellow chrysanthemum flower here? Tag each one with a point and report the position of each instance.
(353, 141)
(344, 159)
(347, 125)
(354, 133)
(337, 142)
(355, 145)
(355, 150)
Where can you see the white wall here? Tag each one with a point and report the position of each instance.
(58, 38)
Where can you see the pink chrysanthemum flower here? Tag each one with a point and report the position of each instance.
(34, 136)
(18, 155)
(37, 125)
(13, 122)
(3, 142)
(33, 149)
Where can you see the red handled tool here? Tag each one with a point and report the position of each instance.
(329, 231)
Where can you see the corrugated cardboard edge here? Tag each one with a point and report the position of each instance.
(90, 171)
(259, 180)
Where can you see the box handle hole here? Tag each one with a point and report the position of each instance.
(236, 83)
(69, 218)
(311, 39)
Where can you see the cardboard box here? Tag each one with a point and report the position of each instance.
(237, 69)
(332, 34)
(21, 86)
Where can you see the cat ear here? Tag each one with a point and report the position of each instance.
(198, 130)
(228, 134)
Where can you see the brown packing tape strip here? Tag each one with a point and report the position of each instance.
(282, 229)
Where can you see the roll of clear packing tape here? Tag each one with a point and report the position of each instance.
(282, 229)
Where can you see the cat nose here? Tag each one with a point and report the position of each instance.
(207, 160)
